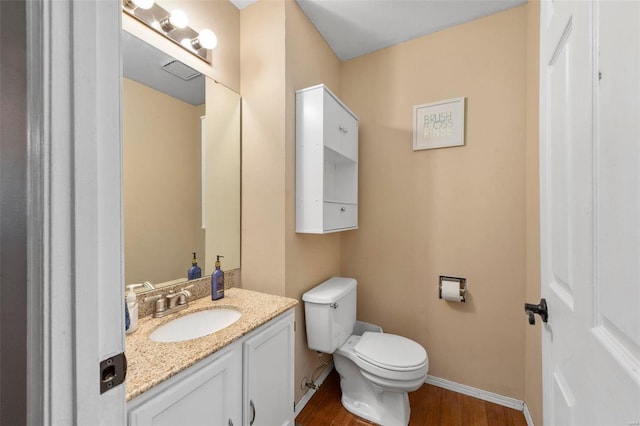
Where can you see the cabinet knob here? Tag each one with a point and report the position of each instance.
(343, 129)
(230, 422)
(342, 209)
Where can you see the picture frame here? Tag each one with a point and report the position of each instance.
(439, 124)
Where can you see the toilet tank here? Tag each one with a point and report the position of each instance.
(330, 313)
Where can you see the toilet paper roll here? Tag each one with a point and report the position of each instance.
(451, 291)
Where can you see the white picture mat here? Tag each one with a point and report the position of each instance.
(438, 124)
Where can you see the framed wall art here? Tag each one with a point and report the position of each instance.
(438, 124)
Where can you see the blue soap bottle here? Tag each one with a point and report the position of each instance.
(127, 318)
(195, 271)
(217, 281)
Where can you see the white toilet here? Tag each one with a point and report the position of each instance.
(376, 369)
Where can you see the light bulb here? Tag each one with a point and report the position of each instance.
(143, 4)
(186, 43)
(178, 19)
(207, 39)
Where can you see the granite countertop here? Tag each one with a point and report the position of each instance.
(150, 363)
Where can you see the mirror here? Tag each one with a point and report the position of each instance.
(181, 167)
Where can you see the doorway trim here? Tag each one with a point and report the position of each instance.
(75, 285)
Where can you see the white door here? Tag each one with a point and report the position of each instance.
(76, 308)
(590, 211)
(268, 374)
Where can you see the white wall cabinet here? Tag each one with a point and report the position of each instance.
(326, 163)
(268, 380)
(251, 379)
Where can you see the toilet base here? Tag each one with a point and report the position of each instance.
(367, 400)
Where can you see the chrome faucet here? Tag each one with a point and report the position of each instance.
(177, 299)
(170, 303)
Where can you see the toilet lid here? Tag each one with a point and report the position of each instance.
(390, 351)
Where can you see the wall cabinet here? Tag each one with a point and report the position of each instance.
(326, 163)
(249, 382)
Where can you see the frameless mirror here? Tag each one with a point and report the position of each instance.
(181, 167)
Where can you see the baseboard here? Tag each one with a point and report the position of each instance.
(476, 393)
(527, 415)
(307, 396)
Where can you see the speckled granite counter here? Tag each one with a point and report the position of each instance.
(150, 363)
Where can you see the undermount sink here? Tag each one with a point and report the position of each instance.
(197, 324)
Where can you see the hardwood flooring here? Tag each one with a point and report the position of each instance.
(430, 406)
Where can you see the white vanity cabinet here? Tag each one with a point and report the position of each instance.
(207, 393)
(326, 163)
(250, 379)
(268, 380)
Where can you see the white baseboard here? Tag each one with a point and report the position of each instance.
(476, 393)
(527, 415)
(307, 396)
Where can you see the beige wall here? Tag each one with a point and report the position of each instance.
(469, 211)
(533, 342)
(262, 53)
(274, 258)
(453, 211)
(310, 259)
(220, 16)
(161, 184)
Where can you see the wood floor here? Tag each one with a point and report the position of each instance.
(430, 406)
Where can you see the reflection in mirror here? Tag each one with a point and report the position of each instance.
(181, 166)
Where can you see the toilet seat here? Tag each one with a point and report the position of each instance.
(393, 378)
(404, 375)
(390, 351)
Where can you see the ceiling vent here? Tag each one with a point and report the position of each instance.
(180, 70)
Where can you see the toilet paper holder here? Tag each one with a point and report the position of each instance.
(462, 284)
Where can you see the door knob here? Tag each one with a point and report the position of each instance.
(540, 309)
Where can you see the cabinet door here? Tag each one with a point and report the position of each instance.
(340, 128)
(348, 128)
(268, 378)
(331, 116)
(209, 395)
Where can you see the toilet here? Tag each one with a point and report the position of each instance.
(376, 369)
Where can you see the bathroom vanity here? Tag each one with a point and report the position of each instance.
(240, 375)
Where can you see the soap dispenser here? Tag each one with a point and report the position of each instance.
(132, 308)
(217, 281)
(194, 272)
(127, 320)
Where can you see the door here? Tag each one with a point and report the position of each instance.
(590, 211)
(75, 286)
(268, 375)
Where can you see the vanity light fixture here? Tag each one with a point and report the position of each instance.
(173, 26)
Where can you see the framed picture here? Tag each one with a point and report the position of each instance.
(438, 124)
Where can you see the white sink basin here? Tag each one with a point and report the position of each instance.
(195, 325)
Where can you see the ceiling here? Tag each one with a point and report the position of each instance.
(356, 27)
